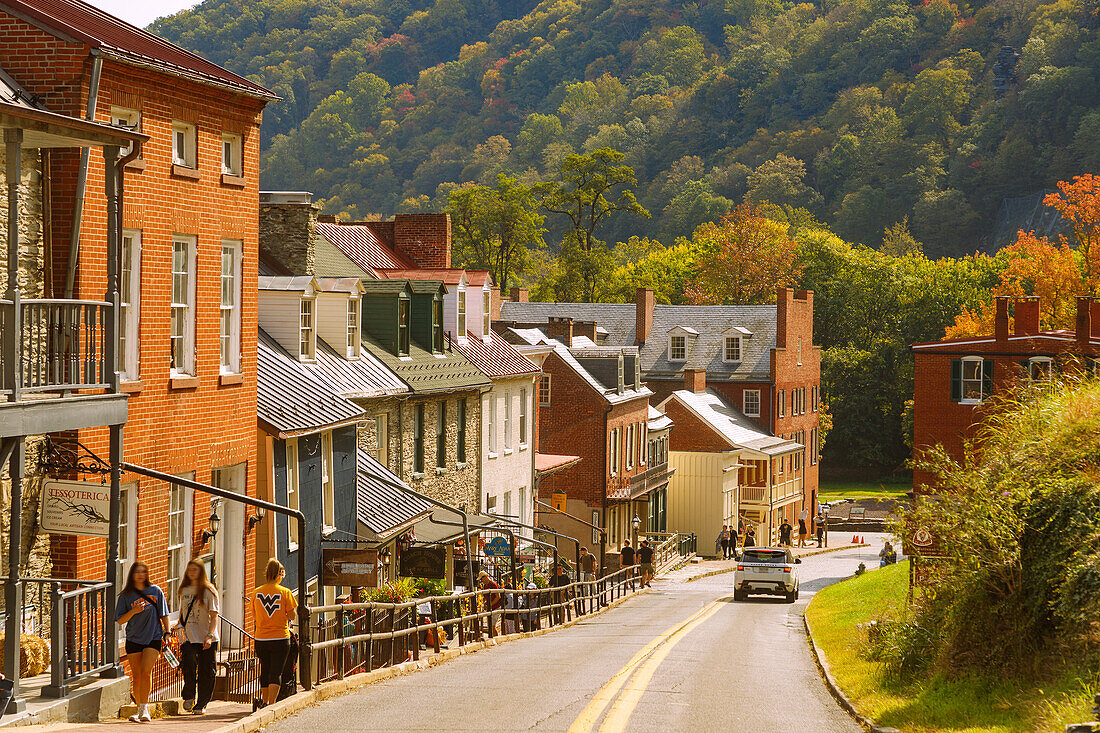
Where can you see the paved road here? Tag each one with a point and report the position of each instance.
(682, 657)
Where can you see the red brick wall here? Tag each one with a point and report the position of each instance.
(425, 238)
(181, 430)
(689, 433)
(795, 323)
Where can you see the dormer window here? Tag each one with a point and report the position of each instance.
(403, 327)
(622, 376)
(486, 313)
(437, 325)
(677, 348)
(462, 313)
(732, 350)
(307, 336)
(353, 329)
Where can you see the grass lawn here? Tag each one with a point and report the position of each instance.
(886, 489)
(960, 706)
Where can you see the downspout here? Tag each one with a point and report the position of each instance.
(82, 177)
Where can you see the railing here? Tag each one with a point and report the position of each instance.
(673, 546)
(632, 487)
(61, 345)
(779, 492)
(238, 670)
(359, 637)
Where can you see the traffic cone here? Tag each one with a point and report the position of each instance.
(854, 538)
(861, 539)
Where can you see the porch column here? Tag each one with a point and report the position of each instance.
(13, 588)
(110, 627)
(13, 149)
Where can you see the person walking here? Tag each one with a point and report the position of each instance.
(587, 574)
(819, 529)
(785, 533)
(645, 563)
(492, 600)
(198, 627)
(559, 581)
(626, 560)
(273, 608)
(803, 529)
(750, 538)
(724, 542)
(143, 608)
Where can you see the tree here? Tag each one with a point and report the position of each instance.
(898, 242)
(1079, 203)
(496, 228)
(591, 189)
(780, 181)
(742, 259)
(936, 101)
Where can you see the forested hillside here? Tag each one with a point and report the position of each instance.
(864, 112)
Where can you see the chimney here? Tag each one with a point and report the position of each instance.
(695, 380)
(643, 315)
(560, 328)
(1027, 316)
(784, 302)
(1000, 320)
(585, 328)
(495, 299)
(326, 218)
(1084, 322)
(424, 238)
(519, 295)
(288, 229)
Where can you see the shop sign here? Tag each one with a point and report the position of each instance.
(423, 562)
(352, 567)
(558, 501)
(498, 547)
(76, 507)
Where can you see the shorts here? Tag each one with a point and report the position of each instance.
(272, 655)
(136, 647)
(646, 567)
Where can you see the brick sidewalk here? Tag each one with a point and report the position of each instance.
(217, 715)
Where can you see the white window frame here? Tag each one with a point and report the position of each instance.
(127, 119)
(490, 408)
(630, 430)
(328, 485)
(129, 298)
(307, 329)
(972, 362)
(754, 394)
(127, 526)
(799, 351)
(179, 542)
(507, 422)
(382, 438)
(544, 388)
(731, 350)
(293, 492)
(232, 145)
(780, 403)
(523, 431)
(229, 322)
(614, 451)
(1036, 361)
(354, 340)
(677, 342)
(184, 136)
(486, 314)
(461, 324)
(182, 329)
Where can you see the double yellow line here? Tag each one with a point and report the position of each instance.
(626, 687)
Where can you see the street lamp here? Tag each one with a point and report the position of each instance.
(215, 524)
(636, 523)
(825, 516)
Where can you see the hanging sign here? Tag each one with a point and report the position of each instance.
(498, 547)
(349, 567)
(76, 507)
(423, 562)
(558, 501)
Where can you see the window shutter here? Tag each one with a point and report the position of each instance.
(987, 378)
(956, 380)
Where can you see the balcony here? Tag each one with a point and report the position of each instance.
(772, 497)
(640, 484)
(55, 361)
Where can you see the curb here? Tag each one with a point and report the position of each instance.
(693, 578)
(300, 701)
(834, 688)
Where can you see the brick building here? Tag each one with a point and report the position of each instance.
(188, 316)
(759, 358)
(954, 379)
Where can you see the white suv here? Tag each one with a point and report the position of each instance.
(768, 570)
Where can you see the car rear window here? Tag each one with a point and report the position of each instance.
(765, 556)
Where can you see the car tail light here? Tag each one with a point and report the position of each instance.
(740, 567)
(787, 569)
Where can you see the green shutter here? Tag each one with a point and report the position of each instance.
(956, 380)
(987, 378)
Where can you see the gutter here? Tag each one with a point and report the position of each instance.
(82, 176)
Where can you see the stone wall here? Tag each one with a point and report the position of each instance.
(459, 484)
(288, 234)
(31, 251)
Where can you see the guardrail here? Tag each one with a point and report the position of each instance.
(359, 637)
(60, 345)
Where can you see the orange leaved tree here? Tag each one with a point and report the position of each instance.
(742, 259)
(1078, 201)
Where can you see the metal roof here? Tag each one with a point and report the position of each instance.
(496, 357)
(657, 420)
(381, 507)
(425, 372)
(290, 399)
(73, 19)
(729, 422)
(351, 285)
(12, 93)
(364, 247)
(450, 276)
(704, 351)
(289, 283)
(356, 378)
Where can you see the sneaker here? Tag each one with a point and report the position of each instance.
(199, 711)
(189, 704)
(144, 715)
(134, 718)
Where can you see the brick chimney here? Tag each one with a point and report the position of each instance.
(560, 328)
(495, 299)
(585, 328)
(425, 238)
(519, 295)
(1000, 320)
(1027, 316)
(1084, 321)
(784, 302)
(288, 229)
(643, 315)
(695, 380)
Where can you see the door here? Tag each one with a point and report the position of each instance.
(229, 547)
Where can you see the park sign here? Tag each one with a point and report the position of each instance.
(352, 567)
(498, 547)
(76, 508)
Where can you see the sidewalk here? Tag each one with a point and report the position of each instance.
(218, 714)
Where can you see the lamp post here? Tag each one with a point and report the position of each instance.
(209, 534)
(825, 516)
(635, 523)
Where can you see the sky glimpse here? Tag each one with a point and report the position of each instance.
(142, 12)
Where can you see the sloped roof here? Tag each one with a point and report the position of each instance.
(479, 277)
(364, 247)
(729, 422)
(380, 505)
(12, 93)
(535, 337)
(703, 351)
(546, 463)
(424, 371)
(657, 420)
(351, 285)
(73, 19)
(290, 399)
(288, 283)
(364, 377)
(496, 357)
(450, 276)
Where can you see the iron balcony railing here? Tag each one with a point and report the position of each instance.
(59, 345)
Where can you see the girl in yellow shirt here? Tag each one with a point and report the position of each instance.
(273, 608)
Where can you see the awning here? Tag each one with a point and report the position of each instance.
(547, 463)
(428, 532)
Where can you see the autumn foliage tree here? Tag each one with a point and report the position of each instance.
(1078, 202)
(742, 259)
